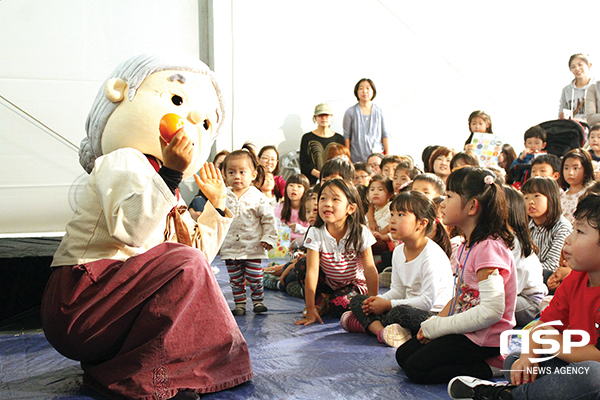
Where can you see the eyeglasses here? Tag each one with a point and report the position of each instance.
(268, 159)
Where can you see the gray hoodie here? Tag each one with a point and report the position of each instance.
(571, 97)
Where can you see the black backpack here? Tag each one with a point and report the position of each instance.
(563, 135)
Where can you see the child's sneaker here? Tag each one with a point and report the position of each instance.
(394, 335)
(350, 323)
(239, 310)
(294, 289)
(259, 307)
(270, 281)
(466, 387)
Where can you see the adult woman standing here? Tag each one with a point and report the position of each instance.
(573, 96)
(364, 127)
(313, 144)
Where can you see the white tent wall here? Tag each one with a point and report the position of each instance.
(54, 56)
(433, 63)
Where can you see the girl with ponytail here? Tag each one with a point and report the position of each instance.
(421, 275)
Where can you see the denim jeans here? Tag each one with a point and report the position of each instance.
(564, 381)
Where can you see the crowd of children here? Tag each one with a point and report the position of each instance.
(472, 250)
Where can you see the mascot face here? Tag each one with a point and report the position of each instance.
(135, 123)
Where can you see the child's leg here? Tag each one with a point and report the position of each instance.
(254, 274)
(444, 358)
(407, 316)
(581, 382)
(237, 281)
(526, 309)
(370, 322)
(339, 302)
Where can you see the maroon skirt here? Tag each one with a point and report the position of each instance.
(147, 327)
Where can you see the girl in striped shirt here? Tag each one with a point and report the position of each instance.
(548, 227)
(339, 261)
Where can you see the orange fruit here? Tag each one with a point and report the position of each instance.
(169, 125)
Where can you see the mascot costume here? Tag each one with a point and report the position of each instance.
(132, 295)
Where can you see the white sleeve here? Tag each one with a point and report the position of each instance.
(134, 198)
(592, 114)
(397, 290)
(267, 221)
(485, 314)
(313, 239)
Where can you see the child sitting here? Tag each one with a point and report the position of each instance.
(290, 212)
(575, 173)
(362, 174)
(337, 168)
(594, 149)
(266, 187)
(463, 158)
(282, 277)
(535, 143)
(467, 331)
(404, 173)
(594, 142)
(429, 184)
(339, 262)
(576, 305)
(530, 279)
(388, 166)
(546, 165)
(547, 226)
(378, 215)
(421, 276)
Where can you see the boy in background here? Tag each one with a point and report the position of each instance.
(546, 165)
(535, 143)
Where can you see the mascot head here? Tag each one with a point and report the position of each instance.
(129, 105)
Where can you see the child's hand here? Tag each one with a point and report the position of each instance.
(292, 227)
(311, 317)
(523, 371)
(275, 269)
(266, 246)
(212, 185)
(178, 154)
(421, 337)
(524, 154)
(558, 276)
(376, 305)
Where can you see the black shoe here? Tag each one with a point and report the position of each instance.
(466, 387)
(259, 308)
(186, 395)
(239, 311)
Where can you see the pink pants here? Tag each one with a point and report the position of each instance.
(147, 327)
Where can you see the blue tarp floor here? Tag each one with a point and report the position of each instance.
(289, 361)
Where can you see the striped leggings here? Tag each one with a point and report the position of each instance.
(241, 271)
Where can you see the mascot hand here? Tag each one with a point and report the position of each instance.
(212, 185)
(178, 154)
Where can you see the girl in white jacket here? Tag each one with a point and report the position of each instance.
(252, 232)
